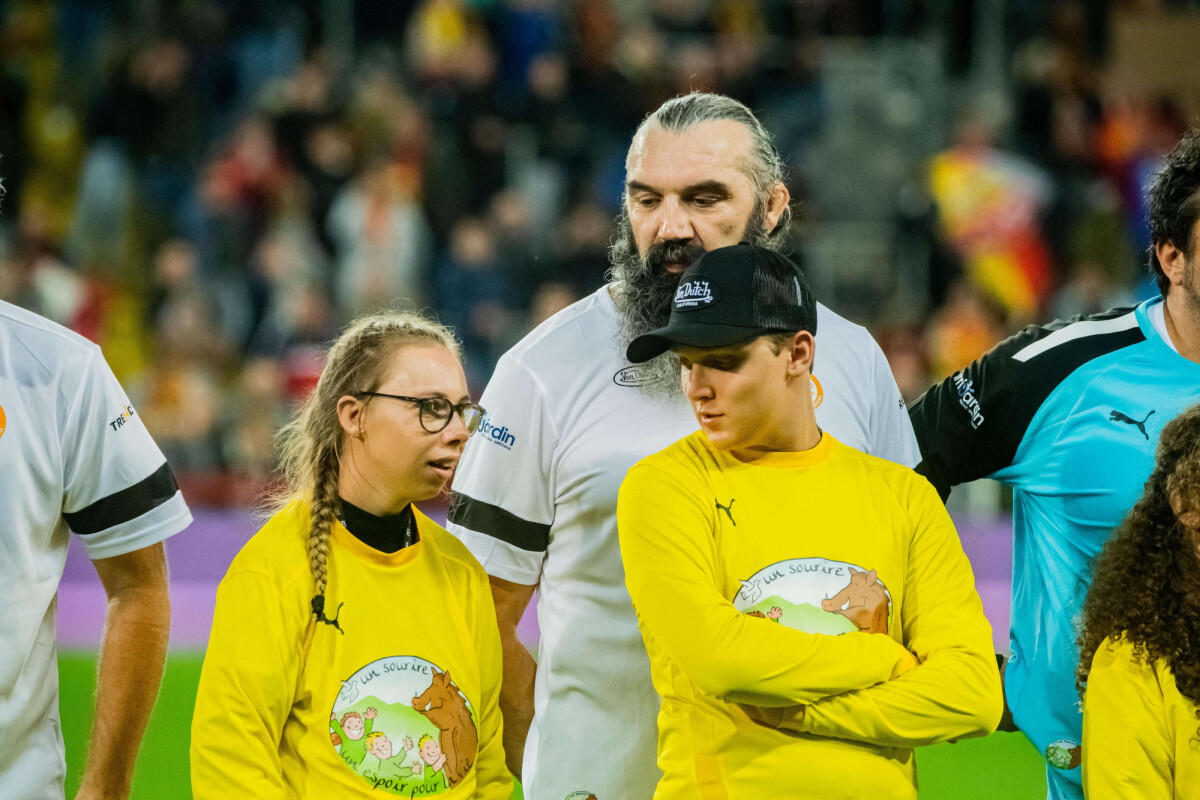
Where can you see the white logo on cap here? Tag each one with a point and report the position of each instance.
(799, 294)
(693, 294)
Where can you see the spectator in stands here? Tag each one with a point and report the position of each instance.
(382, 241)
(474, 293)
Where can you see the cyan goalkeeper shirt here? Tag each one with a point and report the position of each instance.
(1068, 414)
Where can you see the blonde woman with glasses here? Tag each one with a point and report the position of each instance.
(351, 625)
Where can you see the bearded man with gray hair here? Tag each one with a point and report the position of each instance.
(535, 496)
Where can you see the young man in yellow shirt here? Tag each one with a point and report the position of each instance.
(808, 610)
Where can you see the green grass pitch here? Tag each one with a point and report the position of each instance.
(1003, 766)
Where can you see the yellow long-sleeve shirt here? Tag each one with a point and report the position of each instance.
(1139, 732)
(801, 578)
(399, 698)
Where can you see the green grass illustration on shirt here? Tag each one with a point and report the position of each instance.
(804, 616)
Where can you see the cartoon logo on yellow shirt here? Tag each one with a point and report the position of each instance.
(818, 394)
(403, 725)
(1064, 754)
(817, 595)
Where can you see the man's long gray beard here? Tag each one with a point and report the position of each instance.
(644, 290)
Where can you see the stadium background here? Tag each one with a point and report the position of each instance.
(210, 188)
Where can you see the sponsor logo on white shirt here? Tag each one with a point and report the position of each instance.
(496, 434)
(635, 376)
(125, 416)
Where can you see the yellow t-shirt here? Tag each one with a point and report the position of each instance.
(415, 653)
(1141, 737)
(801, 578)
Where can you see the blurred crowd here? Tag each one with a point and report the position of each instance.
(211, 188)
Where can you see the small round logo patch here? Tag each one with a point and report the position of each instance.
(1064, 754)
(818, 394)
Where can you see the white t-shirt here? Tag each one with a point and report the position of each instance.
(1158, 318)
(73, 453)
(536, 498)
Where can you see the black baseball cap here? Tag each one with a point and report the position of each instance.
(729, 295)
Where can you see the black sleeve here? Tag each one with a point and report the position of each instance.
(971, 424)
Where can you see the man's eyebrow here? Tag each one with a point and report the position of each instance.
(638, 186)
(707, 187)
(716, 187)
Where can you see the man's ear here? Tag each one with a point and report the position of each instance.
(777, 201)
(1172, 260)
(800, 358)
(351, 413)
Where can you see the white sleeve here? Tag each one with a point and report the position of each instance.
(118, 493)
(503, 501)
(892, 435)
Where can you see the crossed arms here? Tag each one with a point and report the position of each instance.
(858, 686)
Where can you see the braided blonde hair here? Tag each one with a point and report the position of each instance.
(310, 446)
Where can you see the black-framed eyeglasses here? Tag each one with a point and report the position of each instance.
(436, 411)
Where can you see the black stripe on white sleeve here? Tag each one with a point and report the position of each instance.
(125, 505)
(500, 524)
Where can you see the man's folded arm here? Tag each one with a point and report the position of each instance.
(667, 546)
(955, 691)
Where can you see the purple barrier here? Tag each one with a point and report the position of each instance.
(200, 556)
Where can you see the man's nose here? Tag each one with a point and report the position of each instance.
(696, 384)
(676, 222)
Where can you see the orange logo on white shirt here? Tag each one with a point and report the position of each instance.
(2, 421)
(818, 394)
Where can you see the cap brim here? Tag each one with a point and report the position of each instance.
(655, 343)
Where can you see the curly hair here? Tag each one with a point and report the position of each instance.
(1146, 584)
(1175, 203)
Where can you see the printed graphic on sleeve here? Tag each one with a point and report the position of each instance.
(496, 434)
(404, 727)
(817, 595)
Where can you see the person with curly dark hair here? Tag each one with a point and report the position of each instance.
(1139, 671)
(1068, 414)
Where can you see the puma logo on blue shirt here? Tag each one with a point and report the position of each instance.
(1118, 416)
